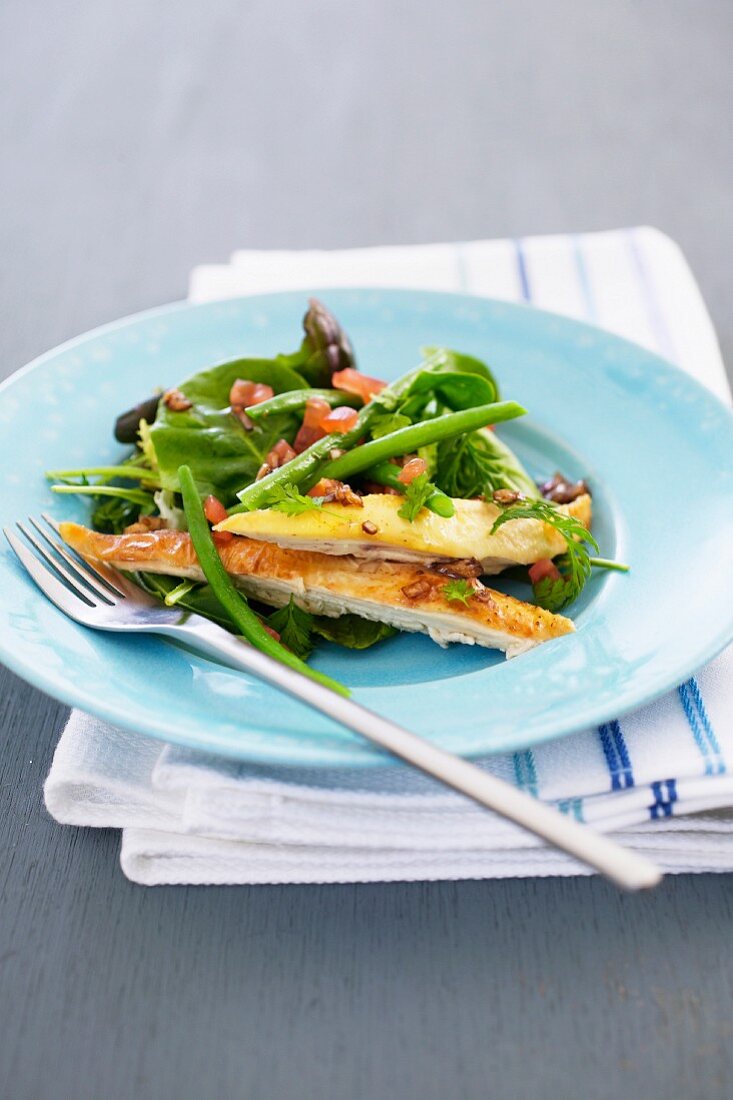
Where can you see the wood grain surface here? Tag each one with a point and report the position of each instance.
(140, 139)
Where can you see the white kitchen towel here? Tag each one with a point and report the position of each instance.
(191, 818)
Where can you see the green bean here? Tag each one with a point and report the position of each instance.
(295, 400)
(232, 601)
(406, 440)
(386, 473)
(304, 470)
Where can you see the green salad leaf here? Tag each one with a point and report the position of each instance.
(208, 437)
(295, 628)
(199, 599)
(298, 629)
(352, 631)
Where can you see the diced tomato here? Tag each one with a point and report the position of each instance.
(214, 511)
(273, 633)
(353, 381)
(412, 469)
(543, 568)
(342, 419)
(221, 538)
(244, 393)
(310, 431)
(321, 488)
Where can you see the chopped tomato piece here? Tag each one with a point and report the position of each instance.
(321, 487)
(353, 381)
(412, 469)
(543, 568)
(214, 510)
(310, 431)
(244, 393)
(342, 419)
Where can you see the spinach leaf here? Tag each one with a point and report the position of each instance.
(209, 438)
(440, 359)
(352, 631)
(200, 599)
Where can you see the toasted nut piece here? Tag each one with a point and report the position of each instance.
(505, 496)
(176, 401)
(369, 528)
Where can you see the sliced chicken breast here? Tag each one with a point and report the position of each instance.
(407, 596)
(377, 531)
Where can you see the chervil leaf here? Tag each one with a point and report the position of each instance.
(286, 498)
(295, 628)
(416, 494)
(459, 591)
(575, 563)
(553, 595)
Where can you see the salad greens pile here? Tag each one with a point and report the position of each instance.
(196, 445)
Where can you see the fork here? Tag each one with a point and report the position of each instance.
(94, 594)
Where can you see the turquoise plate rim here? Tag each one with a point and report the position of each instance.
(346, 750)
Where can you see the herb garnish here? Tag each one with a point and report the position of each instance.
(286, 498)
(574, 564)
(295, 628)
(417, 494)
(459, 591)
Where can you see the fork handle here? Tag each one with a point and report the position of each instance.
(627, 869)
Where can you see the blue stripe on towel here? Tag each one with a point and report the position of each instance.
(522, 272)
(581, 270)
(609, 751)
(663, 800)
(707, 725)
(701, 727)
(623, 752)
(572, 806)
(655, 316)
(525, 772)
(461, 266)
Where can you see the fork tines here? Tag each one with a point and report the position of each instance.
(58, 572)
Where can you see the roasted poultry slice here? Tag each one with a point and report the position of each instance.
(408, 596)
(377, 531)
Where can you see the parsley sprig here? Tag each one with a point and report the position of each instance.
(574, 565)
(417, 494)
(458, 591)
(284, 497)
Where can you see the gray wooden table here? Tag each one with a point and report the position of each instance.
(140, 139)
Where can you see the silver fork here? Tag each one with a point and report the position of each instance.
(100, 597)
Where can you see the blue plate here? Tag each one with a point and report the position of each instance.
(656, 447)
